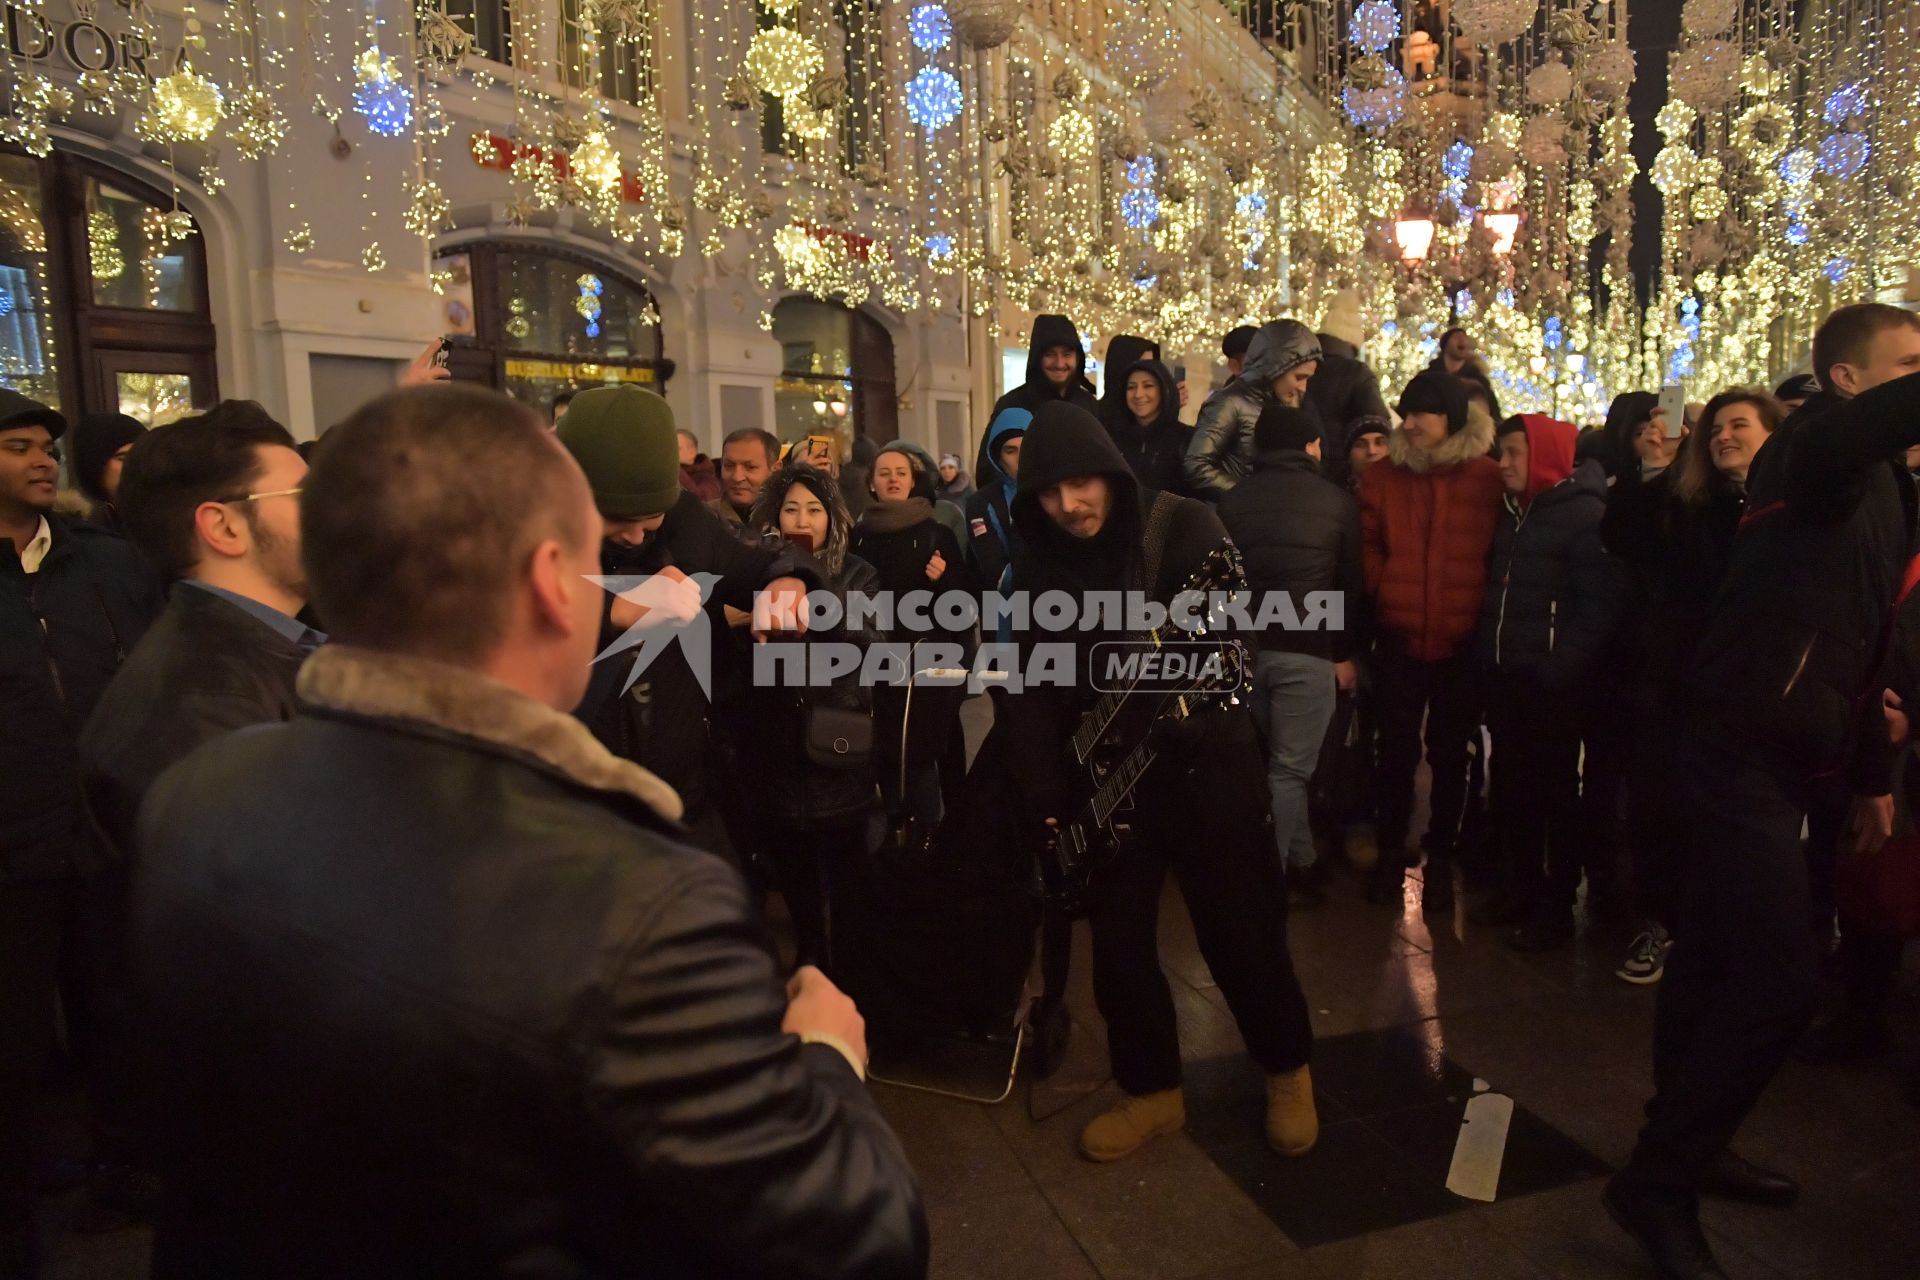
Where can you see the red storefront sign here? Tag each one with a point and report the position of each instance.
(491, 151)
(858, 246)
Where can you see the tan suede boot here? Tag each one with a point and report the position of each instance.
(1293, 1126)
(1133, 1123)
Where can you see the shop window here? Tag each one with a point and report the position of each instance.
(853, 41)
(836, 374)
(622, 70)
(536, 322)
(103, 292)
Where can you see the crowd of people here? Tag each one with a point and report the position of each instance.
(399, 919)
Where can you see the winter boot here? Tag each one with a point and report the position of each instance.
(1293, 1126)
(1133, 1123)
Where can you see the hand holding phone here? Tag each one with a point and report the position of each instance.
(1673, 403)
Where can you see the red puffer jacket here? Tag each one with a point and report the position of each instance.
(1427, 519)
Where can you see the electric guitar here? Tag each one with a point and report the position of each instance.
(1114, 745)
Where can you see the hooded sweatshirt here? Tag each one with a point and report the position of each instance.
(1124, 352)
(991, 537)
(1050, 331)
(1221, 452)
(1554, 596)
(1155, 452)
(1624, 416)
(926, 483)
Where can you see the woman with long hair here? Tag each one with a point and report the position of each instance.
(817, 803)
(1675, 533)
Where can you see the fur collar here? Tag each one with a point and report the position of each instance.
(392, 686)
(1472, 441)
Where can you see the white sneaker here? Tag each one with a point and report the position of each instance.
(1647, 959)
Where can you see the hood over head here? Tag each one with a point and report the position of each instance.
(1064, 443)
(1550, 449)
(1056, 331)
(1169, 392)
(1277, 348)
(926, 472)
(1009, 422)
(96, 437)
(765, 515)
(1124, 351)
(1281, 426)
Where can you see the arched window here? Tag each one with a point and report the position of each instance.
(836, 373)
(103, 292)
(534, 322)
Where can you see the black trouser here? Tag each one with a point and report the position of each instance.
(1442, 694)
(1201, 812)
(1657, 823)
(1607, 735)
(1740, 985)
(1536, 792)
(32, 921)
(806, 861)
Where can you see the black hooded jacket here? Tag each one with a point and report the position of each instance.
(1797, 640)
(1343, 391)
(1036, 391)
(1066, 443)
(1156, 454)
(1300, 533)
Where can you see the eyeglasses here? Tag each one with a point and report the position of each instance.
(271, 493)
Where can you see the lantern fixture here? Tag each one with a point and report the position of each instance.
(1503, 225)
(1413, 233)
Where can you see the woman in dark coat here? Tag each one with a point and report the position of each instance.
(1675, 533)
(817, 814)
(911, 550)
(1144, 421)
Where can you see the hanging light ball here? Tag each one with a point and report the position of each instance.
(933, 98)
(1544, 141)
(1490, 22)
(381, 94)
(258, 125)
(1706, 75)
(1375, 25)
(596, 165)
(1703, 18)
(1140, 208)
(1549, 83)
(1606, 69)
(1568, 30)
(1072, 135)
(1846, 102)
(372, 258)
(300, 239)
(781, 61)
(929, 27)
(185, 107)
(985, 24)
(1844, 155)
(1762, 131)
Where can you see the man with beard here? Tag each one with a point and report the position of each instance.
(624, 439)
(214, 503)
(1087, 526)
(1056, 370)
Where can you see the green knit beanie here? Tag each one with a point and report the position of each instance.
(623, 438)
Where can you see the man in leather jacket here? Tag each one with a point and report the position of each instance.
(432, 985)
(214, 504)
(1280, 363)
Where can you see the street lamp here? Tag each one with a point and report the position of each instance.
(1503, 225)
(1413, 233)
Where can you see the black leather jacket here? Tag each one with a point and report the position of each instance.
(432, 988)
(205, 668)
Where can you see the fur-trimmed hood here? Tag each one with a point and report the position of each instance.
(388, 686)
(1475, 440)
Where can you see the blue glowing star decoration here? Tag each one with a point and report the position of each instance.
(386, 102)
(1797, 167)
(1142, 171)
(1837, 269)
(933, 99)
(1846, 101)
(1376, 24)
(1251, 207)
(1797, 233)
(1551, 335)
(940, 247)
(1458, 162)
(1463, 301)
(1844, 155)
(930, 28)
(1140, 208)
(1389, 328)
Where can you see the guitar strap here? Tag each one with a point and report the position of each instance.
(1154, 542)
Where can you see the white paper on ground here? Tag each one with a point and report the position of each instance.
(1481, 1146)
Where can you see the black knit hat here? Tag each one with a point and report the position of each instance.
(1436, 392)
(96, 438)
(17, 410)
(1281, 426)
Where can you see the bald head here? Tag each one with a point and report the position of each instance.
(423, 517)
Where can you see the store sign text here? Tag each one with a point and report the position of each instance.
(491, 151)
(81, 43)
